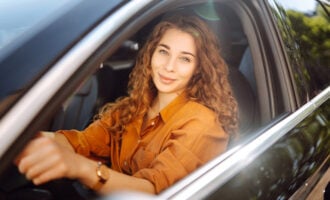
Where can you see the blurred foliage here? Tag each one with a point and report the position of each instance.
(313, 36)
(307, 40)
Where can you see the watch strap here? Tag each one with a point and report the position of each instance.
(101, 180)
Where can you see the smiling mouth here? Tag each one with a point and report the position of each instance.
(165, 79)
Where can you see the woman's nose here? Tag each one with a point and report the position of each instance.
(170, 65)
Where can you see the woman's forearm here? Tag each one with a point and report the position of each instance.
(116, 182)
(86, 172)
(119, 181)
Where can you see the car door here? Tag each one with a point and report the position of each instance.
(42, 69)
(290, 155)
(275, 154)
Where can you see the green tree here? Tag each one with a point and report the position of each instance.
(312, 34)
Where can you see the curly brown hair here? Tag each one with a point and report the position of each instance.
(208, 86)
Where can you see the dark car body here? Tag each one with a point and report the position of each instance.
(55, 73)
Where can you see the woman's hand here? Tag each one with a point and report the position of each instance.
(44, 159)
(50, 157)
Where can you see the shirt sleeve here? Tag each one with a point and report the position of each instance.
(199, 140)
(93, 141)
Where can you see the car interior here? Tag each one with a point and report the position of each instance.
(110, 80)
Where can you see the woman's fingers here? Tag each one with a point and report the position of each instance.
(31, 155)
(43, 160)
(53, 173)
(42, 166)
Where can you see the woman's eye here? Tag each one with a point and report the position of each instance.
(185, 59)
(163, 51)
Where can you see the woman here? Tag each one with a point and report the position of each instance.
(178, 115)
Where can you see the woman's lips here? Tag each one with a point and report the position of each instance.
(165, 79)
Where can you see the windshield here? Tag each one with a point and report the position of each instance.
(18, 19)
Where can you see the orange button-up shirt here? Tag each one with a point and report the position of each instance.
(184, 136)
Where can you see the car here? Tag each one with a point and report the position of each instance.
(60, 61)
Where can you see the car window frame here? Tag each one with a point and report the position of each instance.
(36, 49)
(290, 113)
(70, 69)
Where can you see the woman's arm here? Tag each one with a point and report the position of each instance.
(51, 157)
(116, 182)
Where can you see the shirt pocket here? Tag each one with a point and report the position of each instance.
(142, 159)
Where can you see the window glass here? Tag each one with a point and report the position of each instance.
(19, 22)
(305, 28)
(19, 18)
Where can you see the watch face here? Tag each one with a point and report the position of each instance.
(103, 173)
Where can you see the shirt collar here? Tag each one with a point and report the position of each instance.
(172, 108)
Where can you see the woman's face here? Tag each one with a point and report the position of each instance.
(173, 62)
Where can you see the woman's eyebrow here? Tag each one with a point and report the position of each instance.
(165, 46)
(184, 52)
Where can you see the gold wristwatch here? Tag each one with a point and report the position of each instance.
(102, 172)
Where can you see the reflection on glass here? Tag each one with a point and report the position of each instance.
(17, 18)
(305, 6)
(283, 169)
(305, 30)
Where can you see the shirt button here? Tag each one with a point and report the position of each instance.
(152, 123)
(125, 162)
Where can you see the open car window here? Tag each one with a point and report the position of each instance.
(110, 79)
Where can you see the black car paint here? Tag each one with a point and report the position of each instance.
(285, 167)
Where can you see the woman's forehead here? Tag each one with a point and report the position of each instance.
(178, 40)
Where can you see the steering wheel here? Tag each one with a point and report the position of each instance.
(14, 185)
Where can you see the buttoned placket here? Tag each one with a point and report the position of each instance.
(151, 125)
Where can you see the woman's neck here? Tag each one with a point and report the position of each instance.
(162, 100)
(159, 103)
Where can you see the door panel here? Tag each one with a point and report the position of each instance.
(287, 165)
